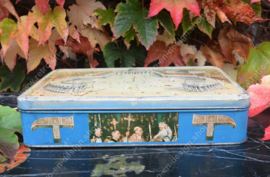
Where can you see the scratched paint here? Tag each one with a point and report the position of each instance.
(118, 166)
(82, 93)
(152, 82)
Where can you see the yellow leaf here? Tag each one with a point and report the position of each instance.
(12, 30)
(39, 52)
(96, 37)
(79, 13)
(165, 37)
(55, 18)
(11, 54)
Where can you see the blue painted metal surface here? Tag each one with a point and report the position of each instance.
(199, 109)
(188, 134)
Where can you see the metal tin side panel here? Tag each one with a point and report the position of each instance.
(190, 127)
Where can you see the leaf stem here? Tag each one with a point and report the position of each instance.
(65, 62)
(197, 41)
(142, 3)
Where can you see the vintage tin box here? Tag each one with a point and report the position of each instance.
(134, 107)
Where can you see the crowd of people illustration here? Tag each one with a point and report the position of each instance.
(133, 128)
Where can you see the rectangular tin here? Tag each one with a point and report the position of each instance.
(134, 107)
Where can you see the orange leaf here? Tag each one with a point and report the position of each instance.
(175, 7)
(165, 55)
(211, 9)
(84, 48)
(20, 157)
(232, 43)
(242, 12)
(39, 52)
(222, 16)
(55, 18)
(215, 58)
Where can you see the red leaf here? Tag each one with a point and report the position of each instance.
(84, 48)
(242, 12)
(20, 157)
(165, 55)
(3, 13)
(266, 134)
(43, 6)
(260, 96)
(252, 1)
(61, 3)
(175, 7)
(9, 6)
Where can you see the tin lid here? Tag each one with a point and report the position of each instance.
(135, 88)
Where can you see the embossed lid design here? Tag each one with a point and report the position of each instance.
(135, 88)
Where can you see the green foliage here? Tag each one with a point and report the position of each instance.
(166, 21)
(130, 35)
(12, 80)
(10, 122)
(202, 23)
(136, 24)
(112, 52)
(105, 16)
(131, 13)
(257, 66)
(7, 26)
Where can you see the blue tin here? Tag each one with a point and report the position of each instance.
(134, 107)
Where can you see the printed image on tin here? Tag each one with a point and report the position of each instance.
(133, 127)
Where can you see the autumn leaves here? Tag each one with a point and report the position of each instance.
(51, 26)
(132, 29)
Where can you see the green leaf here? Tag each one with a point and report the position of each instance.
(129, 35)
(256, 6)
(138, 51)
(105, 16)
(10, 122)
(112, 52)
(202, 23)
(186, 23)
(258, 65)
(190, 62)
(8, 27)
(130, 13)
(166, 21)
(12, 80)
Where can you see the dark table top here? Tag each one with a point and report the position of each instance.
(251, 158)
